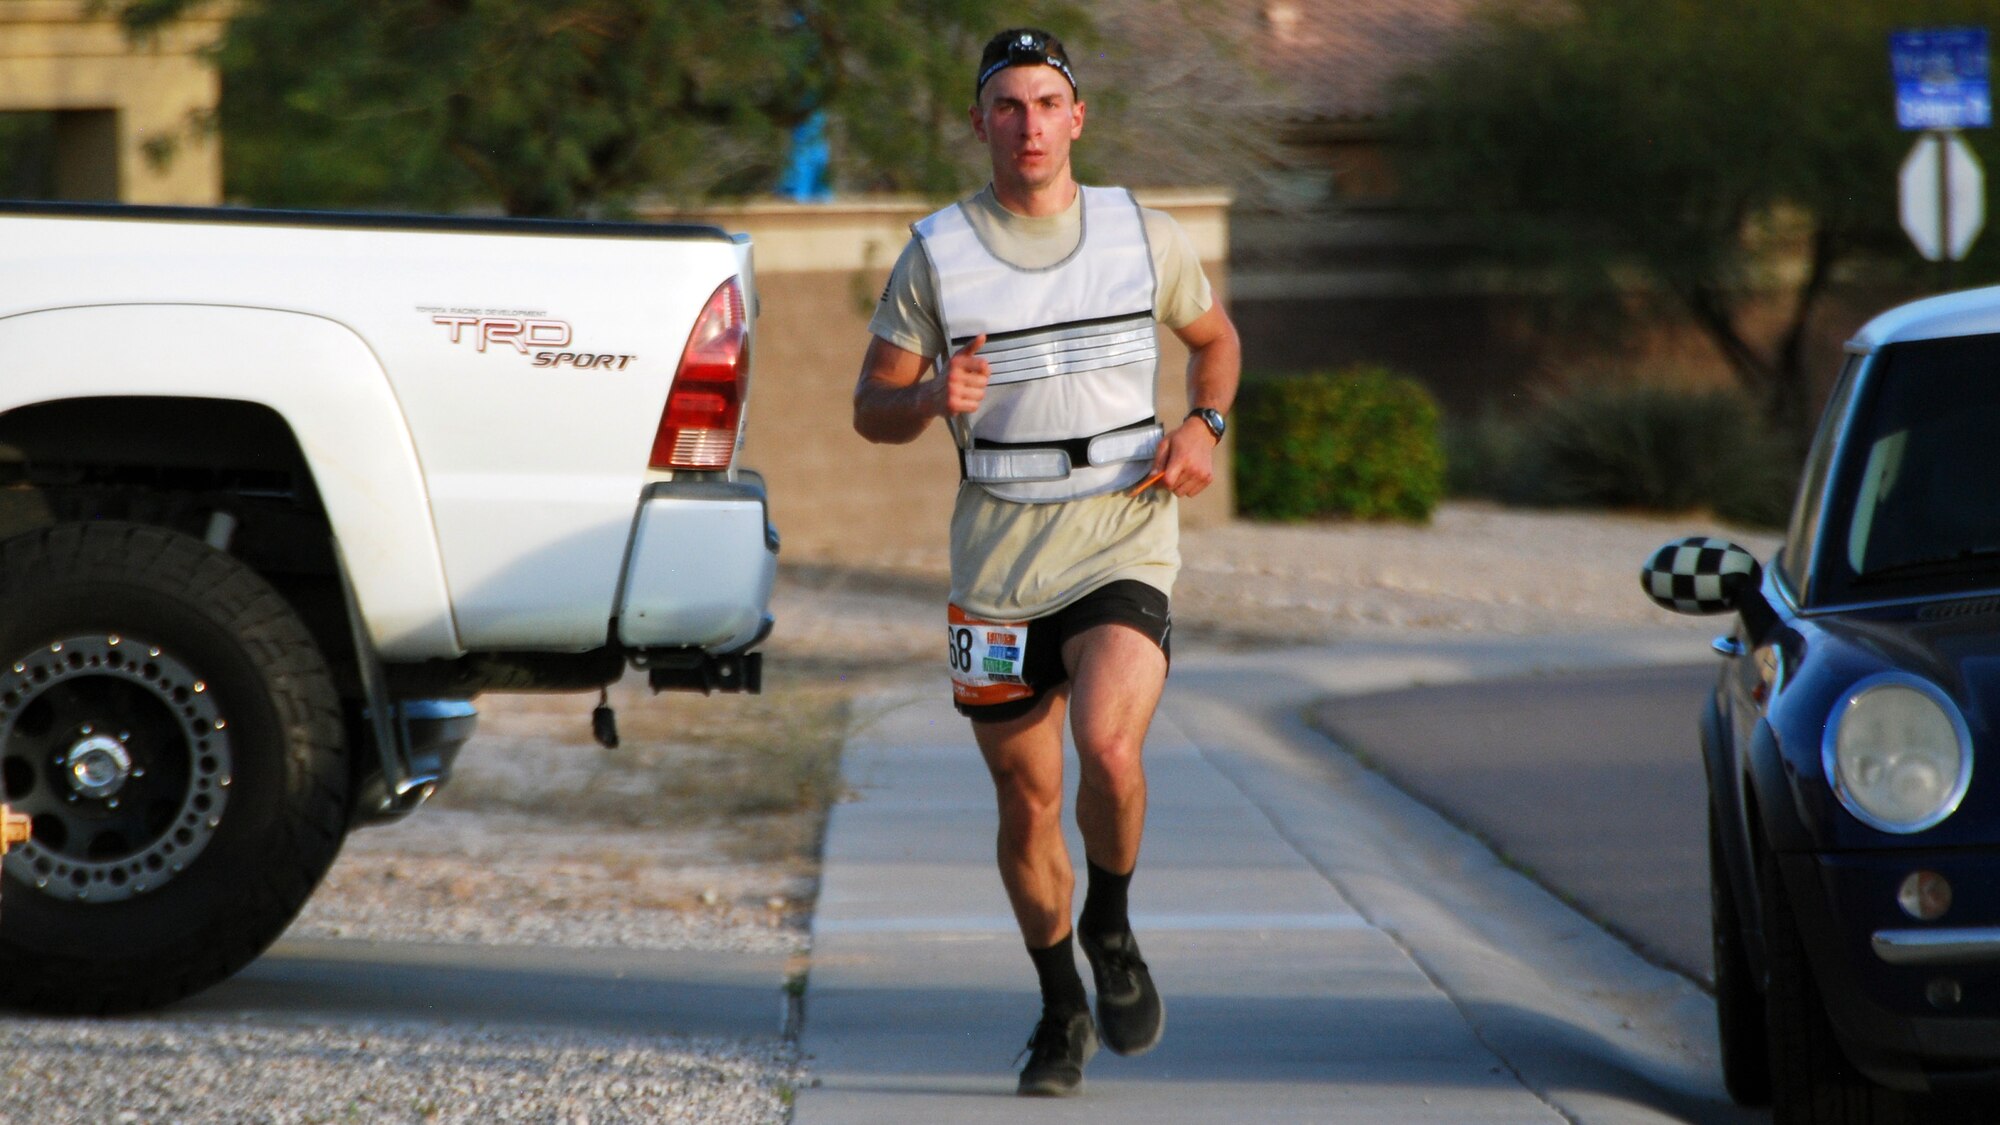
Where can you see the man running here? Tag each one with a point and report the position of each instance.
(1033, 302)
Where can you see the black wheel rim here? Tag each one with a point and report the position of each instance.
(119, 751)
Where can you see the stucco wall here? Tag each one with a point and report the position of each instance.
(141, 100)
(820, 268)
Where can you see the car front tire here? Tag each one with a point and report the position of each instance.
(1739, 1005)
(1812, 1083)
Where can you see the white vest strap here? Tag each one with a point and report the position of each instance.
(1104, 457)
(1015, 466)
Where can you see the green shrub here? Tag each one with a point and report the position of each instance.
(1361, 442)
(1634, 447)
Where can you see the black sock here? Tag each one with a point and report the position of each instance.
(1104, 903)
(1062, 988)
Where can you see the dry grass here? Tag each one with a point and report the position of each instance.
(760, 770)
(701, 830)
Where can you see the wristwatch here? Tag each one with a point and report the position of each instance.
(1211, 418)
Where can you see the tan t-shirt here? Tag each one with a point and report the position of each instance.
(1012, 561)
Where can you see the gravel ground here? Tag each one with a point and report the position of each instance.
(496, 878)
(1475, 568)
(150, 1071)
(546, 840)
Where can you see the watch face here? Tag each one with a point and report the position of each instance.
(1211, 418)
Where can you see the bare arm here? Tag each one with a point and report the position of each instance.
(893, 403)
(1215, 365)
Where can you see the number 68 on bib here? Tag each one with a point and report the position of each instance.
(986, 658)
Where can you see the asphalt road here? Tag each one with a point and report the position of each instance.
(1589, 782)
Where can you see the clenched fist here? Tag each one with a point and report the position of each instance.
(964, 381)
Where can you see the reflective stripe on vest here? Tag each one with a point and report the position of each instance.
(1072, 348)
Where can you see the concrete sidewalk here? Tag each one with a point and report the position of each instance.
(1306, 977)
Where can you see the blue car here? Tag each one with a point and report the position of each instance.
(1854, 840)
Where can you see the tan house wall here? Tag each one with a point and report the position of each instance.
(118, 100)
(820, 268)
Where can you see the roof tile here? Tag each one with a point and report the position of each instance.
(1339, 58)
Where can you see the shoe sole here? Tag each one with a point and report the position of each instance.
(1056, 1089)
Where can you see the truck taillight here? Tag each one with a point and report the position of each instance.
(698, 427)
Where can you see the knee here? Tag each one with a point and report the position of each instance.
(1114, 767)
(1027, 800)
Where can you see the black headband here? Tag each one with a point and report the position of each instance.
(1023, 48)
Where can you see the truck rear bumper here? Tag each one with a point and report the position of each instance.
(700, 568)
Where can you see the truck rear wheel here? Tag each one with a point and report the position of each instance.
(172, 727)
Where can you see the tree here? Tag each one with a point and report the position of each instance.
(574, 106)
(1177, 99)
(546, 109)
(563, 107)
(1705, 145)
(1172, 97)
(898, 97)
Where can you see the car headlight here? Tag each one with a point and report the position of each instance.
(1898, 752)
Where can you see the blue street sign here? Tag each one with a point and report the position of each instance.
(1941, 80)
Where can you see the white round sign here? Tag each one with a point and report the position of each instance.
(1943, 196)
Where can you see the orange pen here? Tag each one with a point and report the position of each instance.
(1147, 483)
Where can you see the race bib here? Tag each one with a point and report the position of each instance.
(988, 659)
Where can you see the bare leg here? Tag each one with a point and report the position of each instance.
(1025, 757)
(1116, 676)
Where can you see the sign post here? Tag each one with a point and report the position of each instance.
(1941, 87)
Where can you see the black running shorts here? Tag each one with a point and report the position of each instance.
(1125, 602)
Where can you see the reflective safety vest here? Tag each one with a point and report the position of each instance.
(1068, 411)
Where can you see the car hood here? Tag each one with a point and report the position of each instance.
(1953, 644)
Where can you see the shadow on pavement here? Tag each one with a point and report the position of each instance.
(736, 995)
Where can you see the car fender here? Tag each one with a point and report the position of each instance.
(319, 376)
(1773, 794)
(1730, 789)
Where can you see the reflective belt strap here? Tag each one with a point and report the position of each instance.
(1013, 466)
(1125, 445)
(993, 463)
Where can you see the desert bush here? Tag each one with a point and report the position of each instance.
(1360, 442)
(1480, 453)
(1634, 447)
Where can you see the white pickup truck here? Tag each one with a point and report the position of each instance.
(281, 493)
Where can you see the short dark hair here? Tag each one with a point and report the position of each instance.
(1021, 46)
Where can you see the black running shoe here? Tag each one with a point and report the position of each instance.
(1130, 1014)
(1056, 1053)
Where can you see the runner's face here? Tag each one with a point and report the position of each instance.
(1028, 115)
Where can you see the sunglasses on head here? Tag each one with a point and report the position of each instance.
(1026, 49)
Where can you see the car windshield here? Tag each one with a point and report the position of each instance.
(1914, 510)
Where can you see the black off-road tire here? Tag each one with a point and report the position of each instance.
(1739, 1004)
(1812, 1083)
(136, 631)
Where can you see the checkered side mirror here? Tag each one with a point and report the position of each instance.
(1699, 574)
